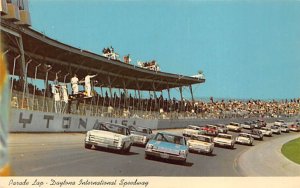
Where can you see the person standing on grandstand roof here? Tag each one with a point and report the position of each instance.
(87, 83)
(74, 83)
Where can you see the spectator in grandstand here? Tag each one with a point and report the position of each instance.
(127, 59)
(87, 84)
(74, 83)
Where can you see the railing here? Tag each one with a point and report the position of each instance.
(86, 109)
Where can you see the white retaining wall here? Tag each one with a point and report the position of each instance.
(34, 121)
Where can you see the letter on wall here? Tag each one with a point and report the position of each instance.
(25, 121)
(82, 123)
(66, 122)
(48, 118)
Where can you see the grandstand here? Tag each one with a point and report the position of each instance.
(32, 55)
(120, 89)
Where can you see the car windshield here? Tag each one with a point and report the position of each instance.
(193, 127)
(142, 130)
(224, 136)
(170, 138)
(211, 127)
(111, 128)
(274, 127)
(245, 135)
(201, 138)
(234, 124)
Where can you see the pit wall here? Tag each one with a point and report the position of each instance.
(33, 121)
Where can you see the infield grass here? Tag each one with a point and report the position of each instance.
(291, 150)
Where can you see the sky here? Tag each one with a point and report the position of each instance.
(246, 49)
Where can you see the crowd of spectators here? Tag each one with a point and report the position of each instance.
(164, 107)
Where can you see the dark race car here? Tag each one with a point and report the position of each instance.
(257, 134)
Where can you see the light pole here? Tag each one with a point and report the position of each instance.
(34, 87)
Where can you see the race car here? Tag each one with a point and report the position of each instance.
(225, 140)
(201, 144)
(222, 128)
(192, 129)
(261, 123)
(247, 125)
(257, 134)
(244, 138)
(141, 135)
(211, 130)
(266, 131)
(109, 135)
(167, 146)
(295, 127)
(275, 129)
(236, 127)
(284, 128)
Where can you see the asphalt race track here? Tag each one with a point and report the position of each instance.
(63, 154)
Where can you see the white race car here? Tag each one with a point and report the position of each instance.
(222, 128)
(266, 131)
(201, 144)
(192, 129)
(141, 135)
(295, 127)
(247, 125)
(224, 140)
(275, 129)
(244, 138)
(109, 135)
(284, 128)
(278, 123)
(232, 126)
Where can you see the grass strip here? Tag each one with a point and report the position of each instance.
(291, 150)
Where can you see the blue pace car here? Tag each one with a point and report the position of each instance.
(167, 146)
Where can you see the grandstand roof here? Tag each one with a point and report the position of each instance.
(68, 59)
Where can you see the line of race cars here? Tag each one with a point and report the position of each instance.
(166, 145)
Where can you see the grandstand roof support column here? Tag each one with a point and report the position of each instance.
(169, 97)
(103, 100)
(66, 77)
(19, 40)
(193, 101)
(110, 89)
(181, 98)
(125, 93)
(155, 97)
(34, 87)
(46, 86)
(13, 73)
(4, 53)
(119, 108)
(139, 93)
(25, 83)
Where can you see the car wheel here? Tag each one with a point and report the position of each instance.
(98, 147)
(147, 156)
(88, 146)
(127, 150)
(183, 162)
